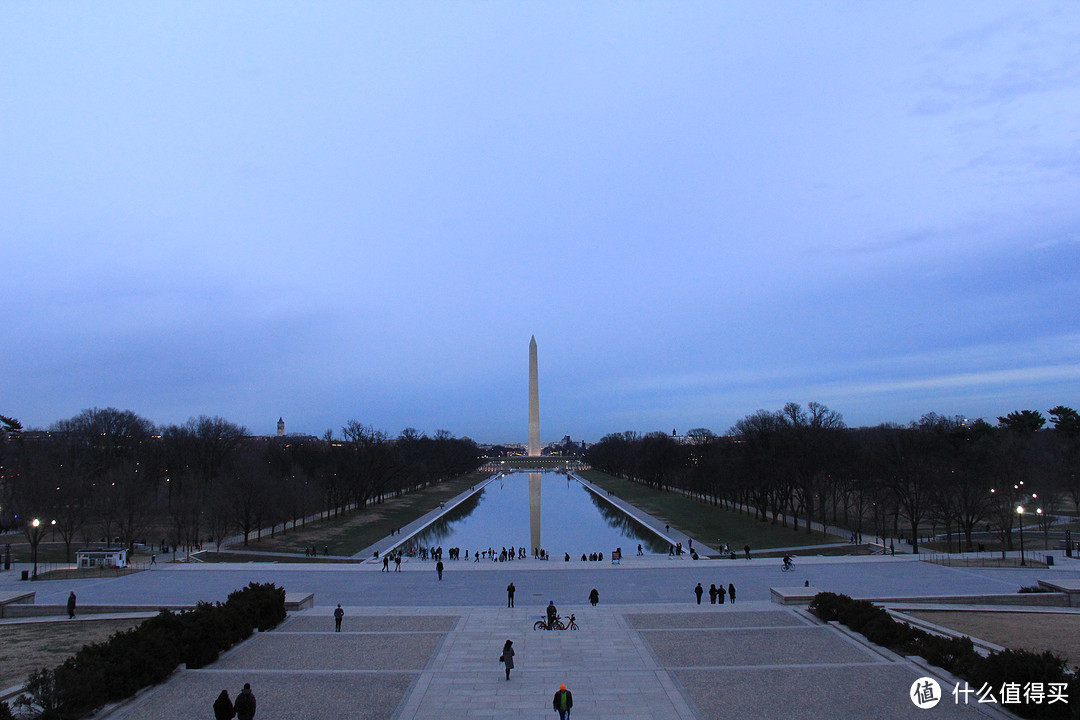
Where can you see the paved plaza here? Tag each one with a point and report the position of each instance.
(632, 662)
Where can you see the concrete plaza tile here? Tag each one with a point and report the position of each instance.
(737, 647)
(281, 695)
(723, 618)
(598, 695)
(868, 692)
(333, 651)
(323, 621)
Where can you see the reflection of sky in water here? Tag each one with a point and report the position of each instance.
(572, 520)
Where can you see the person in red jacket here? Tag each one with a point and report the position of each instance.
(562, 702)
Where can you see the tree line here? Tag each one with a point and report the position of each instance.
(804, 465)
(113, 475)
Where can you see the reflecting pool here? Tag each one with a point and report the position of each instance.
(539, 509)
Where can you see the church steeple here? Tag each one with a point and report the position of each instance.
(280, 427)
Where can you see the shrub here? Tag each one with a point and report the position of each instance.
(263, 605)
(1023, 667)
(957, 655)
(952, 654)
(146, 655)
(42, 694)
(883, 630)
(826, 605)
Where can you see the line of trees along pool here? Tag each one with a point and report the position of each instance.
(107, 473)
(937, 474)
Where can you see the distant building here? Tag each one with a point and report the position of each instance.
(280, 427)
(101, 558)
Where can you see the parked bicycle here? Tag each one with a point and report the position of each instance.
(570, 624)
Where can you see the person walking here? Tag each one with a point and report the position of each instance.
(397, 563)
(507, 657)
(731, 592)
(562, 702)
(438, 568)
(153, 560)
(712, 594)
(594, 597)
(510, 595)
(746, 549)
(245, 703)
(698, 591)
(386, 563)
(338, 614)
(223, 707)
(71, 605)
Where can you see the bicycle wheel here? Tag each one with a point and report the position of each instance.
(573, 626)
(559, 625)
(539, 625)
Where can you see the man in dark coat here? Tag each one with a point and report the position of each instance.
(223, 707)
(507, 657)
(731, 592)
(71, 605)
(562, 702)
(338, 614)
(699, 591)
(594, 597)
(439, 568)
(245, 703)
(552, 614)
(510, 595)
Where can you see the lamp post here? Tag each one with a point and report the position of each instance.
(1020, 512)
(35, 538)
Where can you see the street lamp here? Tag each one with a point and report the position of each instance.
(35, 538)
(1020, 512)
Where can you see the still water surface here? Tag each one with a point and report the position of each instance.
(570, 520)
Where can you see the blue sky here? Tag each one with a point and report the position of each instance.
(335, 211)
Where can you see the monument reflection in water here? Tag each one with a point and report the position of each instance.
(546, 510)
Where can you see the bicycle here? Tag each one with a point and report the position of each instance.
(542, 625)
(559, 624)
(787, 567)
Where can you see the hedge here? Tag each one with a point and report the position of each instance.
(128, 661)
(957, 655)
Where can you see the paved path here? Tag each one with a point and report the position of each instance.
(633, 662)
(651, 579)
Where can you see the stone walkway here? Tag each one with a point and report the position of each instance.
(649, 662)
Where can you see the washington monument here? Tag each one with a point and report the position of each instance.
(534, 402)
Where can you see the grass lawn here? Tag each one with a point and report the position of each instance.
(707, 523)
(350, 533)
(25, 647)
(1038, 632)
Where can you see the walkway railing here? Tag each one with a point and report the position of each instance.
(986, 559)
